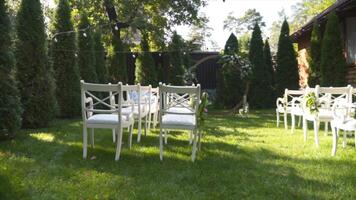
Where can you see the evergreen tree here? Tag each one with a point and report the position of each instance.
(145, 70)
(100, 63)
(231, 45)
(64, 63)
(176, 71)
(35, 76)
(86, 56)
(287, 75)
(10, 108)
(269, 72)
(260, 89)
(315, 53)
(333, 66)
(118, 64)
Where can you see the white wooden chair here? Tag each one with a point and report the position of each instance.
(176, 113)
(297, 107)
(284, 104)
(326, 97)
(107, 116)
(153, 108)
(343, 120)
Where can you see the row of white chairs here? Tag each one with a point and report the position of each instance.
(118, 106)
(336, 107)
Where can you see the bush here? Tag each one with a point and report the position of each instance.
(35, 76)
(315, 53)
(86, 56)
(287, 75)
(145, 70)
(176, 68)
(333, 64)
(117, 61)
(100, 63)
(65, 64)
(10, 108)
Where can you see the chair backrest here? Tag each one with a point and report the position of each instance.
(179, 96)
(328, 95)
(290, 94)
(99, 95)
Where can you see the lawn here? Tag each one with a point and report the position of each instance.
(240, 158)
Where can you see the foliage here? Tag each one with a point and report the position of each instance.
(117, 61)
(268, 62)
(261, 80)
(145, 65)
(245, 23)
(100, 63)
(65, 64)
(287, 75)
(202, 109)
(10, 107)
(244, 43)
(34, 75)
(315, 54)
(275, 30)
(86, 56)
(231, 45)
(199, 35)
(176, 68)
(333, 66)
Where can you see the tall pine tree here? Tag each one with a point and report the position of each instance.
(315, 54)
(269, 72)
(10, 106)
(176, 69)
(100, 63)
(34, 75)
(145, 70)
(117, 61)
(287, 75)
(333, 66)
(65, 64)
(86, 56)
(260, 89)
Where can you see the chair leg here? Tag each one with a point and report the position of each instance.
(139, 129)
(293, 123)
(130, 136)
(160, 144)
(316, 130)
(285, 121)
(146, 121)
(326, 128)
(344, 141)
(155, 119)
(277, 115)
(335, 138)
(149, 121)
(119, 143)
(92, 137)
(194, 151)
(165, 137)
(85, 142)
(113, 135)
(305, 129)
(190, 137)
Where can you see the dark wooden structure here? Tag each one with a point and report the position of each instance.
(346, 11)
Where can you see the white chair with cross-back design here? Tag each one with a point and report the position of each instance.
(178, 110)
(153, 108)
(97, 112)
(284, 104)
(297, 107)
(326, 97)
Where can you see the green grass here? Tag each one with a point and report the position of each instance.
(240, 158)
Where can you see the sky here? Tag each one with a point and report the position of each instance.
(217, 11)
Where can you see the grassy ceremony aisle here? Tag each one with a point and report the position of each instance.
(240, 158)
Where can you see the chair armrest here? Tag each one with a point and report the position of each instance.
(296, 101)
(280, 102)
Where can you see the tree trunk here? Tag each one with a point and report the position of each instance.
(235, 109)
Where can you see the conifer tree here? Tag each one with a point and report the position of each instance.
(176, 71)
(260, 89)
(333, 66)
(145, 70)
(315, 53)
(34, 74)
(117, 61)
(231, 45)
(269, 73)
(100, 63)
(86, 56)
(287, 75)
(10, 106)
(64, 63)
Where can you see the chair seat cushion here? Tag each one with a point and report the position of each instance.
(178, 120)
(297, 111)
(348, 124)
(179, 110)
(128, 110)
(109, 119)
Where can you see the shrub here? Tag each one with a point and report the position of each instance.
(315, 53)
(65, 64)
(117, 61)
(100, 63)
(35, 76)
(333, 64)
(176, 68)
(287, 75)
(10, 108)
